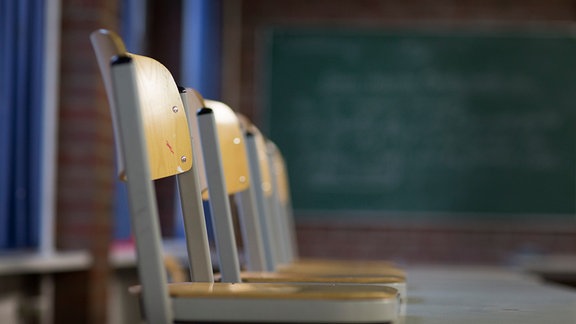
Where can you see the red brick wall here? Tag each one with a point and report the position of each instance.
(502, 243)
(85, 162)
(409, 242)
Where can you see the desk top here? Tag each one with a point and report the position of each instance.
(18, 263)
(485, 295)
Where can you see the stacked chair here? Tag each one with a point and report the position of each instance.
(152, 127)
(278, 204)
(233, 176)
(275, 231)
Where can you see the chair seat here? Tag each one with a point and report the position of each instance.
(343, 268)
(281, 291)
(317, 278)
(397, 283)
(337, 262)
(276, 302)
(283, 303)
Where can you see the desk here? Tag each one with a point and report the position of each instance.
(38, 263)
(436, 294)
(485, 295)
(27, 283)
(556, 268)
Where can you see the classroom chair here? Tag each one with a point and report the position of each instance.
(273, 200)
(235, 182)
(281, 211)
(226, 123)
(152, 126)
(108, 44)
(264, 171)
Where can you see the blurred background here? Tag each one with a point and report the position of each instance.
(415, 131)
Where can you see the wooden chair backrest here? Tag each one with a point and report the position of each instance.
(265, 172)
(231, 143)
(165, 123)
(281, 174)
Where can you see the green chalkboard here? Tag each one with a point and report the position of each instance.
(478, 123)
